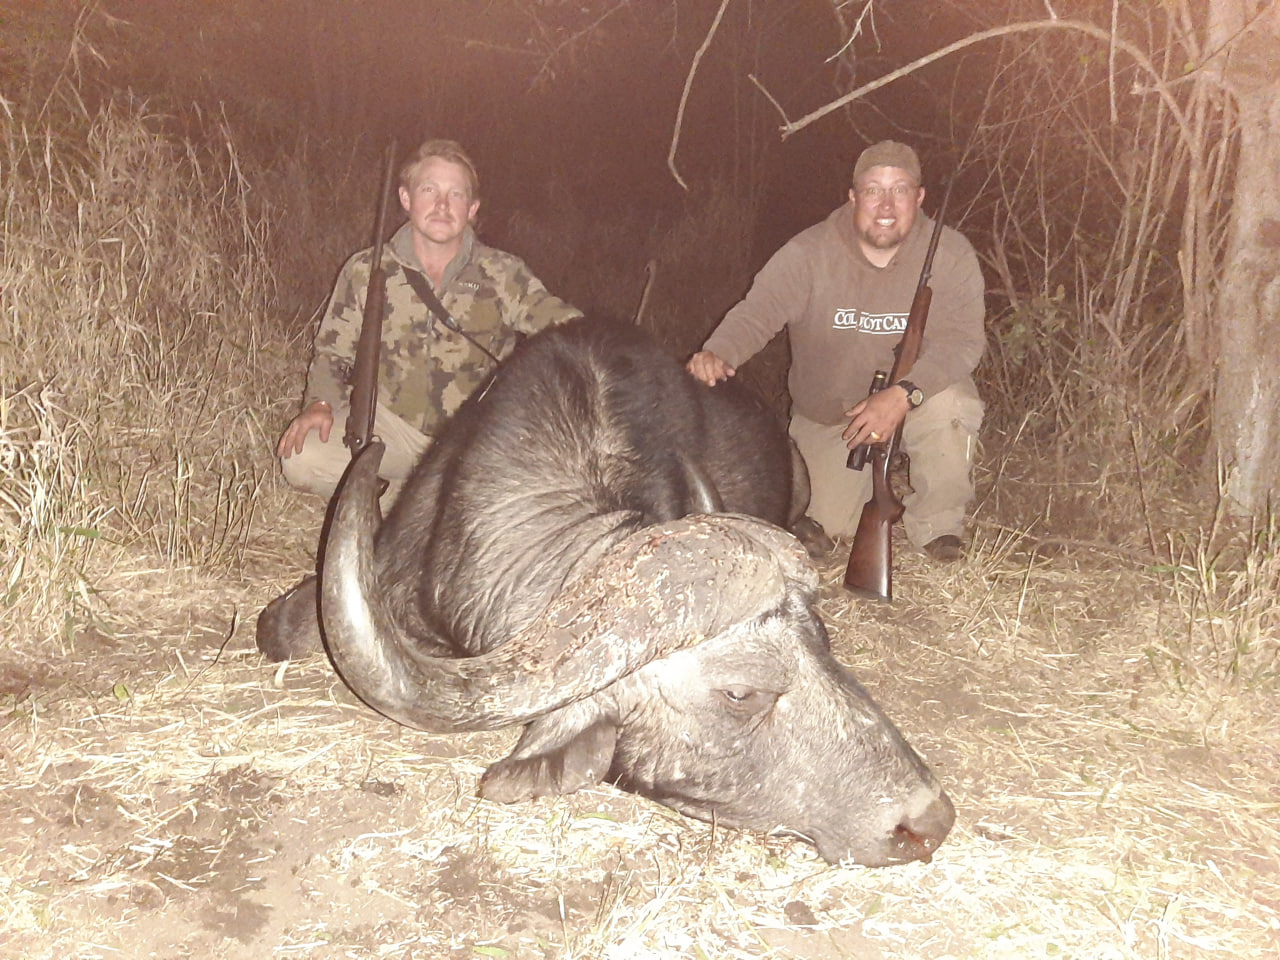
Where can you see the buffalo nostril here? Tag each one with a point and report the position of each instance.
(911, 846)
(916, 838)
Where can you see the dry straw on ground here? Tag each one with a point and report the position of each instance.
(169, 793)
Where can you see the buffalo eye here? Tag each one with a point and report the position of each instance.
(747, 700)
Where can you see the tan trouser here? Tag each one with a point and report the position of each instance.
(319, 466)
(938, 437)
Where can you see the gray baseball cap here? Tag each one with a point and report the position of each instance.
(888, 153)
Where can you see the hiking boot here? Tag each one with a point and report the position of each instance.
(946, 549)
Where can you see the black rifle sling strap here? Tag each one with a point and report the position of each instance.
(422, 287)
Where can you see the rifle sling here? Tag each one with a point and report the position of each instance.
(422, 287)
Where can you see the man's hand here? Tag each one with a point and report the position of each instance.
(709, 368)
(874, 419)
(317, 416)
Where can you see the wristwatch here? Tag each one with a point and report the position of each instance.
(915, 396)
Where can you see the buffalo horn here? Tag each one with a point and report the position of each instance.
(661, 588)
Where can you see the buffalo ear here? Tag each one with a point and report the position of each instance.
(289, 626)
(564, 767)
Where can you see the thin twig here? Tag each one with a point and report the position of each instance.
(1158, 85)
(684, 94)
(768, 96)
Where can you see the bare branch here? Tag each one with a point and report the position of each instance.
(1111, 58)
(854, 32)
(1079, 26)
(559, 47)
(768, 96)
(684, 94)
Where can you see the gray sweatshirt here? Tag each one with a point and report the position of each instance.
(844, 315)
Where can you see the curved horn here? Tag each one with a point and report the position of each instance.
(661, 588)
(703, 495)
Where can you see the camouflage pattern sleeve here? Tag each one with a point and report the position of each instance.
(530, 306)
(328, 377)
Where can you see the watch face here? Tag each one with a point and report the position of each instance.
(915, 397)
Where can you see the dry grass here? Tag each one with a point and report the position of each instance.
(1096, 689)
(141, 351)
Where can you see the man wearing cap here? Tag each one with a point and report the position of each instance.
(843, 289)
(426, 368)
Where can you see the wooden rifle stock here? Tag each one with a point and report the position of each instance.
(869, 572)
(364, 371)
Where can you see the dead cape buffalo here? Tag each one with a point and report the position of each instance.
(592, 547)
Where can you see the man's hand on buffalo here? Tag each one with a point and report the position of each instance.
(709, 368)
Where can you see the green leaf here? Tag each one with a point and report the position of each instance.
(89, 533)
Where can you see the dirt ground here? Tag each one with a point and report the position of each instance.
(167, 793)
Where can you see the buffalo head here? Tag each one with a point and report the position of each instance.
(686, 663)
(591, 547)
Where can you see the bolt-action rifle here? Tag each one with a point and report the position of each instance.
(870, 569)
(364, 372)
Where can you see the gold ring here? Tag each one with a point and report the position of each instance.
(874, 435)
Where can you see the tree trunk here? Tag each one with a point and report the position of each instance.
(1246, 406)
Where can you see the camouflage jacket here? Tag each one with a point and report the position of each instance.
(426, 370)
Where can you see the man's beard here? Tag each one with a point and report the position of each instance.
(885, 238)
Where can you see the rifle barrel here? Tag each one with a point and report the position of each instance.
(364, 374)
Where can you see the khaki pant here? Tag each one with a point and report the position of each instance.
(319, 466)
(938, 437)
